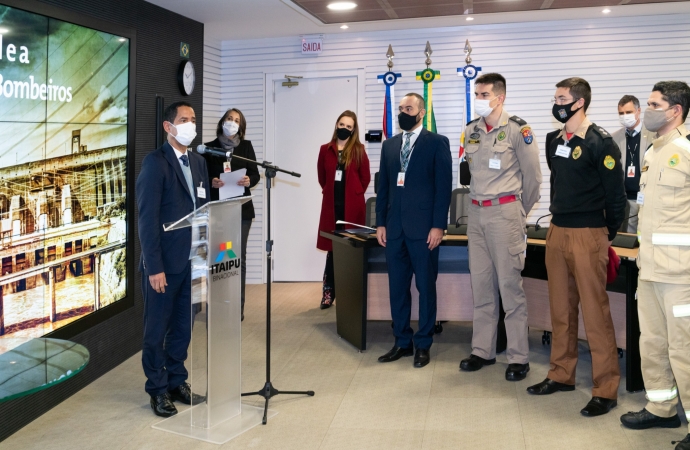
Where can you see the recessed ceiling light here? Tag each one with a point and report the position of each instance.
(470, 18)
(4, 30)
(341, 6)
(344, 27)
(606, 11)
(122, 39)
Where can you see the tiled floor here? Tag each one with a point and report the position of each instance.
(359, 403)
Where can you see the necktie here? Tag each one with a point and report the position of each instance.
(405, 153)
(185, 160)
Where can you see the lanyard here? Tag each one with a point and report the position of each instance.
(632, 154)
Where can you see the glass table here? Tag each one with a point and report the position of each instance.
(37, 364)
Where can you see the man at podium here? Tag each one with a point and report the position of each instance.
(172, 183)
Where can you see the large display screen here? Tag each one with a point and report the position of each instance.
(64, 95)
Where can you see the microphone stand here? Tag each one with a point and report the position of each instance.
(268, 391)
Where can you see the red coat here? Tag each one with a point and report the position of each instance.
(356, 182)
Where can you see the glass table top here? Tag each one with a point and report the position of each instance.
(38, 364)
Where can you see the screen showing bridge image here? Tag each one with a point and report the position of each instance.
(63, 152)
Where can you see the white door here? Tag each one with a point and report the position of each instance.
(303, 120)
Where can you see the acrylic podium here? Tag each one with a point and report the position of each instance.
(214, 360)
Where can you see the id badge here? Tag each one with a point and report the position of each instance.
(338, 175)
(201, 192)
(563, 151)
(401, 179)
(226, 167)
(494, 163)
(640, 198)
(631, 171)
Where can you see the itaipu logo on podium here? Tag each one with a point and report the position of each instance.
(227, 263)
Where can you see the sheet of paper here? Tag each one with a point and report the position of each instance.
(230, 188)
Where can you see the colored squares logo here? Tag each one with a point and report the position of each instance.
(225, 250)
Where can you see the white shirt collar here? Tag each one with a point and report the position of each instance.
(178, 153)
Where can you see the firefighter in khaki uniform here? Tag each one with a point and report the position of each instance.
(503, 158)
(663, 293)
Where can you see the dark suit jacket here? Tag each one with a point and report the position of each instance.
(215, 168)
(424, 201)
(163, 197)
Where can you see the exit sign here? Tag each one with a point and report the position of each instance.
(312, 45)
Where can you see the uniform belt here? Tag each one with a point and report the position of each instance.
(496, 201)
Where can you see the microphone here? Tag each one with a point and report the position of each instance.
(213, 151)
(536, 225)
(457, 224)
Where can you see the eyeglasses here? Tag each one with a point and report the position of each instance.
(561, 101)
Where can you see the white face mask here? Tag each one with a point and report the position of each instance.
(230, 128)
(627, 120)
(186, 132)
(482, 108)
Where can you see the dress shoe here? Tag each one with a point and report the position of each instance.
(162, 405)
(644, 419)
(183, 394)
(598, 406)
(517, 372)
(474, 363)
(395, 354)
(421, 357)
(684, 444)
(547, 387)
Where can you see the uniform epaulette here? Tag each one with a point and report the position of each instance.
(473, 121)
(518, 120)
(600, 131)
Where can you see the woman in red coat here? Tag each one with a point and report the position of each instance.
(344, 177)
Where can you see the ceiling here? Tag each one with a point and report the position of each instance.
(369, 10)
(255, 19)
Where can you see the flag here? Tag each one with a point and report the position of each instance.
(428, 76)
(389, 79)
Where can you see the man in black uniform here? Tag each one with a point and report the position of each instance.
(588, 206)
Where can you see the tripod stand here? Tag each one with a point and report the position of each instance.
(268, 391)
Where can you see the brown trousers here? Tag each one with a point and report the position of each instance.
(576, 260)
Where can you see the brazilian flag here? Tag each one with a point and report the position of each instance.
(428, 76)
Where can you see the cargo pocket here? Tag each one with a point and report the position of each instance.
(671, 250)
(517, 252)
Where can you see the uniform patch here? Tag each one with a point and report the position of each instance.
(577, 152)
(673, 162)
(501, 135)
(474, 141)
(527, 135)
(474, 136)
(609, 162)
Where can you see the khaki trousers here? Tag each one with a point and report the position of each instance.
(664, 311)
(496, 246)
(576, 260)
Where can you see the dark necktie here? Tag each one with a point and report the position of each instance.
(405, 154)
(185, 160)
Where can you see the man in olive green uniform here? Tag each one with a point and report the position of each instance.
(663, 294)
(503, 159)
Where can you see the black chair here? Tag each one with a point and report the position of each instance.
(459, 208)
(370, 220)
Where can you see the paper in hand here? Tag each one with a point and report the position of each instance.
(230, 188)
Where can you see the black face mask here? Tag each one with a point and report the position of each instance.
(562, 113)
(343, 134)
(406, 121)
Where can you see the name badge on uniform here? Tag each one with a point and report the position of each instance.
(338, 175)
(640, 198)
(200, 191)
(563, 151)
(494, 163)
(401, 179)
(631, 171)
(226, 166)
